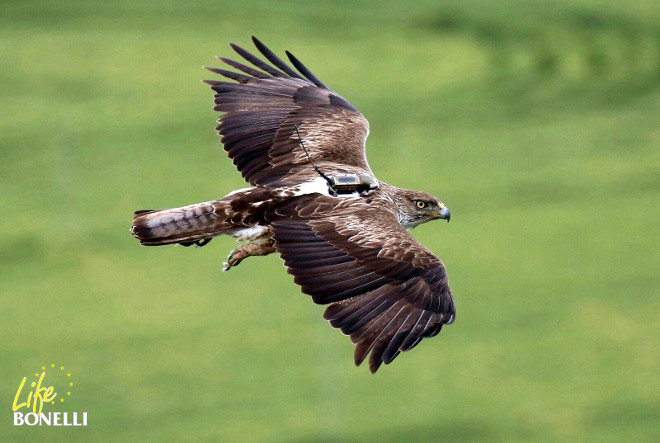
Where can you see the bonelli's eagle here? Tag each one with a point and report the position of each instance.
(342, 233)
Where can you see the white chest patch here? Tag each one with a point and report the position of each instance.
(250, 234)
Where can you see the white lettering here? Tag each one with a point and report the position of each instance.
(18, 419)
(31, 414)
(44, 419)
(49, 419)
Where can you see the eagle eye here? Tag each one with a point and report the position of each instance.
(420, 204)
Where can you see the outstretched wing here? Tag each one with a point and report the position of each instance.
(386, 290)
(263, 110)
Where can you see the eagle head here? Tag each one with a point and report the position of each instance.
(417, 207)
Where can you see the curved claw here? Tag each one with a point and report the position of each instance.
(232, 261)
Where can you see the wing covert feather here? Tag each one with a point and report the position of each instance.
(385, 290)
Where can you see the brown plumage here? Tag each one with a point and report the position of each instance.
(341, 233)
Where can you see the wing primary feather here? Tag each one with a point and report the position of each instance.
(417, 333)
(414, 343)
(357, 319)
(275, 59)
(230, 74)
(304, 71)
(428, 322)
(379, 345)
(437, 327)
(213, 82)
(257, 61)
(364, 344)
(392, 349)
(364, 333)
(412, 335)
(248, 70)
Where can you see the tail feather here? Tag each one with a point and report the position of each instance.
(193, 224)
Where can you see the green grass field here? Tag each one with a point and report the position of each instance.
(536, 122)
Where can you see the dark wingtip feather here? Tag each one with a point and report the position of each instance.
(392, 349)
(256, 61)
(278, 62)
(248, 70)
(374, 364)
(212, 82)
(360, 353)
(304, 71)
(230, 74)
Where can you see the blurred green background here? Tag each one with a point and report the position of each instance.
(535, 121)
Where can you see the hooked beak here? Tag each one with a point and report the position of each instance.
(444, 214)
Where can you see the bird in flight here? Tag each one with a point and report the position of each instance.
(313, 198)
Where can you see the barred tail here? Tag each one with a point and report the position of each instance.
(193, 224)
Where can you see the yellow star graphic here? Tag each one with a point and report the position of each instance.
(36, 375)
(71, 384)
(53, 365)
(68, 375)
(68, 393)
(43, 368)
(52, 402)
(61, 367)
(61, 399)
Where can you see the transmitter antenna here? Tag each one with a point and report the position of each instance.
(330, 182)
